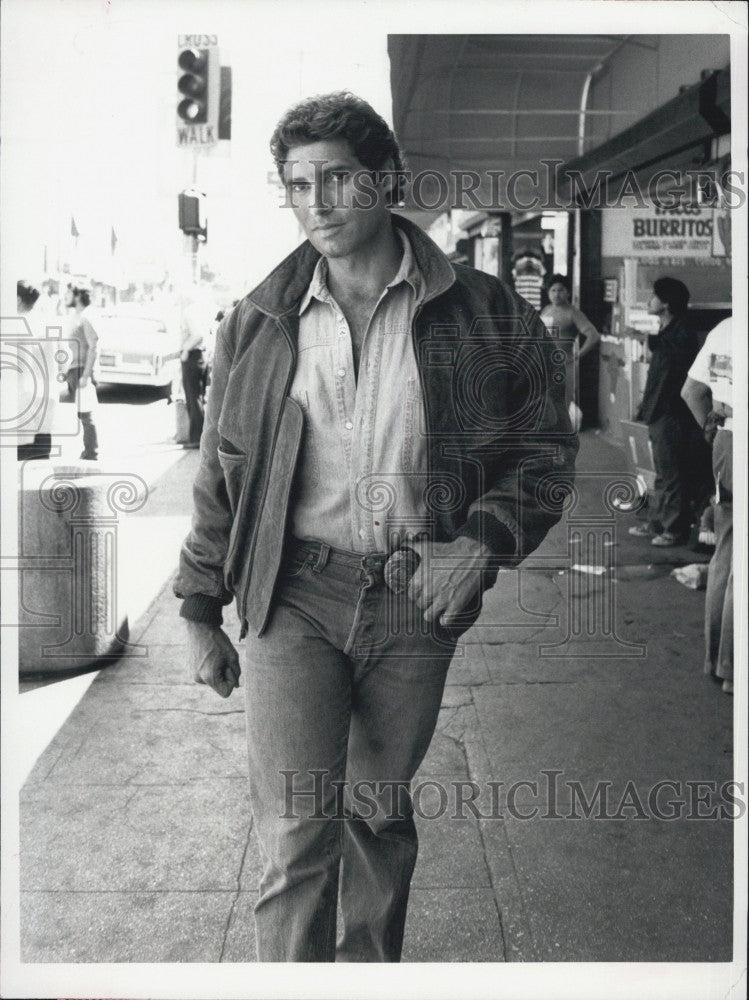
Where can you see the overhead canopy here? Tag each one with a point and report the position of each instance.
(506, 102)
(492, 102)
(677, 129)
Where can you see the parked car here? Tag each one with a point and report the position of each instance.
(137, 350)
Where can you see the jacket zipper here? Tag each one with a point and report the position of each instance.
(419, 308)
(251, 550)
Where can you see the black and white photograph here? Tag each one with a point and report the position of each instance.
(373, 402)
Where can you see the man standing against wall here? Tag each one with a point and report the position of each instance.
(384, 431)
(680, 460)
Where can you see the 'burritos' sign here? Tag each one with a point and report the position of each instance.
(658, 232)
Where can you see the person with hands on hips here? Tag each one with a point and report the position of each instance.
(569, 324)
(383, 433)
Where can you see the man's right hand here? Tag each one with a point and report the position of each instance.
(211, 657)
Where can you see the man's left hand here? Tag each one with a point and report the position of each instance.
(448, 576)
(83, 382)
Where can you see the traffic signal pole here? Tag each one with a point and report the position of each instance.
(203, 116)
(194, 243)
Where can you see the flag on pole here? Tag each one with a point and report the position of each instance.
(113, 241)
(73, 228)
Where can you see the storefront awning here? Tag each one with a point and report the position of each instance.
(674, 132)
(505, 102)
(493, 102)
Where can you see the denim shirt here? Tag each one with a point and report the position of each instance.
(362, 473)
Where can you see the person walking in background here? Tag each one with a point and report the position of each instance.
(194, 365)
(80, 374)
(708, 392)
(569, 324)
(678, 455)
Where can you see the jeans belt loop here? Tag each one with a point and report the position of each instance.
(322, 558)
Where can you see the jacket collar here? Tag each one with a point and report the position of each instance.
(407, 272)
(285, 286)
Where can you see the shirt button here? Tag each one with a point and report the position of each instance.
(361, 532)
(341, 372)
(348, 425)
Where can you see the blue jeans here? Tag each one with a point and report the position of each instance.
(342, 694)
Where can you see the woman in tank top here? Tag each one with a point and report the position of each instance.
(569, 324)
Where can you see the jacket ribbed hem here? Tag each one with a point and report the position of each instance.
(483, 527)
(202, 608)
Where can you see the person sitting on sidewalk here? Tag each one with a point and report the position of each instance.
(708, 392)
(670, 426)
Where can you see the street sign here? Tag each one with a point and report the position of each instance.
(198, 91)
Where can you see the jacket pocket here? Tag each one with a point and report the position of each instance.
(233, 465)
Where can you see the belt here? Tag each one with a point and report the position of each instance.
(319, 554)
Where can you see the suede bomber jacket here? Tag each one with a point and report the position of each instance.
(501, 449)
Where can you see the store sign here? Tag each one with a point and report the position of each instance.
(688, 232)
(610, 290)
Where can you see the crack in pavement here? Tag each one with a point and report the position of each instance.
(237, 891)
(194, 711)
(515, 876)
(459, 742)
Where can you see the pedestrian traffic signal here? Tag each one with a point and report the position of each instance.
(199, 85)
(192, 218)
(194, 66)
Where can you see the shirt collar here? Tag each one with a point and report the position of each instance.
(408, 272)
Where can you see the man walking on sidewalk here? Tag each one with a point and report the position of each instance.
(384, 431)
(80, 375)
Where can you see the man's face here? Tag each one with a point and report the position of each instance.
(655, 306)
(339, 208)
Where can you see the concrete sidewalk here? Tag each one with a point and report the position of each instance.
(136, 841)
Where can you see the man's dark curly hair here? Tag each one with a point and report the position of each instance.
(340, 115)
(673, 293)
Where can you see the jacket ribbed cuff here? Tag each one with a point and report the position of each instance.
(202, 608)
(483, 527)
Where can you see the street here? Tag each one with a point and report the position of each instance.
(136, 840)
(133, 422)
(136, 426)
